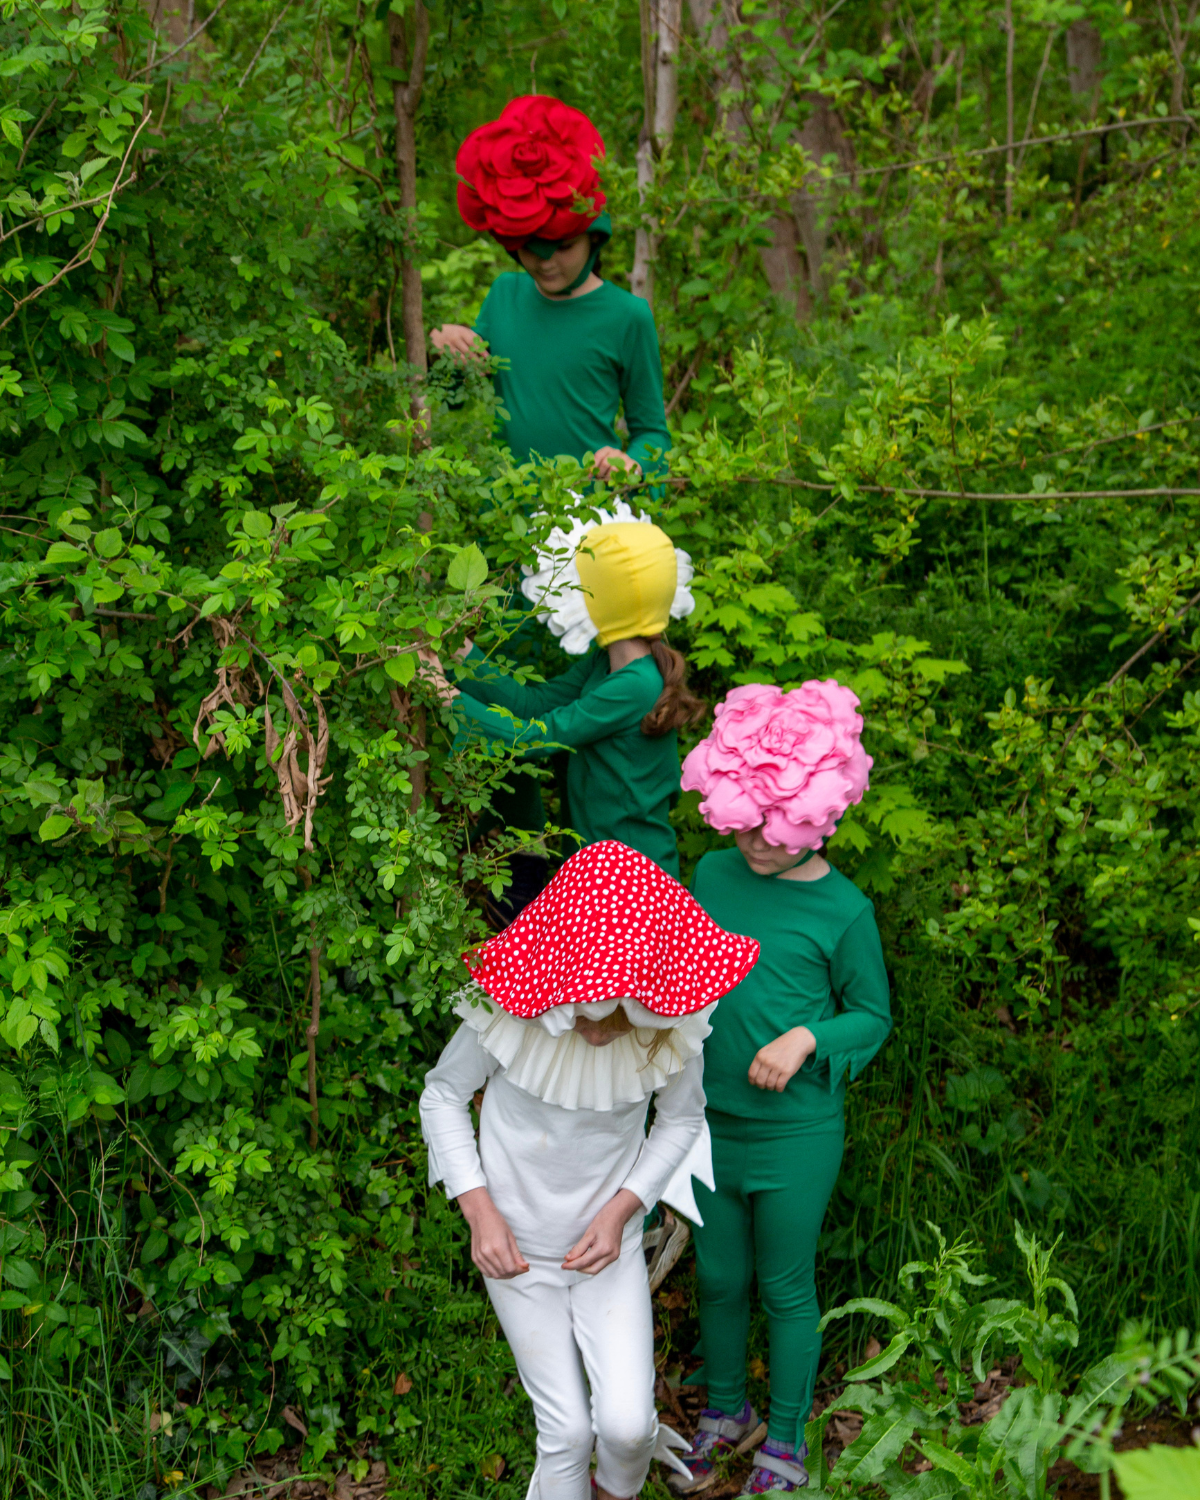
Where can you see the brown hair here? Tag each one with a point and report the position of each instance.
(677, 705)
(619, 1022)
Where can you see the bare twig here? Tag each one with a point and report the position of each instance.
(183, 46)
(899, 489)
(311, 1032)
(1037, 140)
(81, 257)
(1153, 641)
(1051, 34)
(689, 375)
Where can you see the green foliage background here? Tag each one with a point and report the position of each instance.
(964, 482)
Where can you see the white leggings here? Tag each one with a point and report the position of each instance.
(568, 1332)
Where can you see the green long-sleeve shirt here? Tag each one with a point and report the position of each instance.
(620, 783)
(821, 966)
(572, 362)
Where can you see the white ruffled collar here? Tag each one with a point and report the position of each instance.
(560, 1068)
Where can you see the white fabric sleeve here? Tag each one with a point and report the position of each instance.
(461, 1071)
(679, 1129)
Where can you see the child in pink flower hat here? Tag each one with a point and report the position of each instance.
(778, 771)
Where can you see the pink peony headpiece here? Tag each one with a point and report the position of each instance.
(793, 761)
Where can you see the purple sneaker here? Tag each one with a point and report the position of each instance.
(717, 1434)
(777, 1470)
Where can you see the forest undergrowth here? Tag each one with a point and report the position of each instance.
(927, 287)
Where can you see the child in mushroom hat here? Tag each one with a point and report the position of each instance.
(577, 348)
(596, 998)
(778, 771)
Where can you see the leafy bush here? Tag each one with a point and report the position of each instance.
(237, 858)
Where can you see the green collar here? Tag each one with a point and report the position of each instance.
(544, 249)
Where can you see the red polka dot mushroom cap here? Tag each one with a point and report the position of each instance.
(610, 924)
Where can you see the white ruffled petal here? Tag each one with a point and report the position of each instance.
(554, 589)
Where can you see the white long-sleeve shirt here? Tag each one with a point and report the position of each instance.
(550, 1169)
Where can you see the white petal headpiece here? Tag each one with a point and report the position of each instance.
(554, 586)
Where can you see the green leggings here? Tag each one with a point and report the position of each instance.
(773, 1185)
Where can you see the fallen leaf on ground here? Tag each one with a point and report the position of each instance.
(492, 1467)
(293, 1418)
(402, 1386)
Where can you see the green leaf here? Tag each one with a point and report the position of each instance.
(156, 1243)
(166, 1080)
(945, 1458)
(883, 1361)
(164, 808)
(109, 543)
(468, 569)
(63, 552)
(1159, 1473)
(120, 346)
(874, 1305)
(140, 1081)
(257, 523)
(120, 1054)
(19, 1273)
(5, 1369)
(401, 668)
(54, 827)
(882, 1439)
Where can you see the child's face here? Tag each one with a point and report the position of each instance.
(600, 1033)
(764, 858)
(558, 272)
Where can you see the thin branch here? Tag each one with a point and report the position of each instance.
(311, 1032)
(83, 256)
(1037, 140)
(899, 489)
(1154, 639)
(183, 46)
(1119, 437)
(253, 63)
(1051, 35)
(689, 374)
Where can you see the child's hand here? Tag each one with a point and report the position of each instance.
(612, 462)
(432, 672)
(458, 341)
(601, 1242)
(782, 1059)
(493, 1248)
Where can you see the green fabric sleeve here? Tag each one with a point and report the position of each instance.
(486, 683)
(642, 395)
(611, 708)
(483, 322)
(858, 978)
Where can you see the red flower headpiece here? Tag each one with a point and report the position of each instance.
(530, 173)
(611, 923)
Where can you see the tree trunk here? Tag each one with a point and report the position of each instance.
(408, 55)
(661, 23)
(1083, 58)
(793, 262)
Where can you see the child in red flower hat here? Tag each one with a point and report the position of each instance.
(577, 348)
(596, 998)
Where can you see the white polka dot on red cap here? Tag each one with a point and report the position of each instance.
(577, 942)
